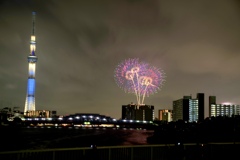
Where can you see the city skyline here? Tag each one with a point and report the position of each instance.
(79, 45)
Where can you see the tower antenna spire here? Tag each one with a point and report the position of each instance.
(33, 23)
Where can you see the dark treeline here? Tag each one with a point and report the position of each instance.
(214, 129)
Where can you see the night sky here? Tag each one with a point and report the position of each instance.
(80, 43)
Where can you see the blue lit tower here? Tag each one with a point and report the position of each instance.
(32, 60)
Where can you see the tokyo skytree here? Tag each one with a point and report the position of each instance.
(32, 60)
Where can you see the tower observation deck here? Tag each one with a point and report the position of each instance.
(32, 60)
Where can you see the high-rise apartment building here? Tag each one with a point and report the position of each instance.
(189, 109)
(32, 60)
(193, 110)
(128, 111)
(136, 112)
(211, 100)
(181, 109)
(201, 106)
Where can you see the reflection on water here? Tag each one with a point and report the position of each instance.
(45, 137)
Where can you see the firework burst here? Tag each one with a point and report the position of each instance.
(139, 78)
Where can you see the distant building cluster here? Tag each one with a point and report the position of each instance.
(225, 109)
(188, 109)
(191, 109)
(41, 113)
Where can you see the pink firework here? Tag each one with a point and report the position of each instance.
(139, 78)
(151, 82)
(127, 72)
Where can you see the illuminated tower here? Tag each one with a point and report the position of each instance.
(32, 60)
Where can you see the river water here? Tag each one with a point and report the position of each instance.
(32, 138)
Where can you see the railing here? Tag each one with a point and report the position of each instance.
(141, 152)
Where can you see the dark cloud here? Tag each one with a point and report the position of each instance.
(80, 43)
